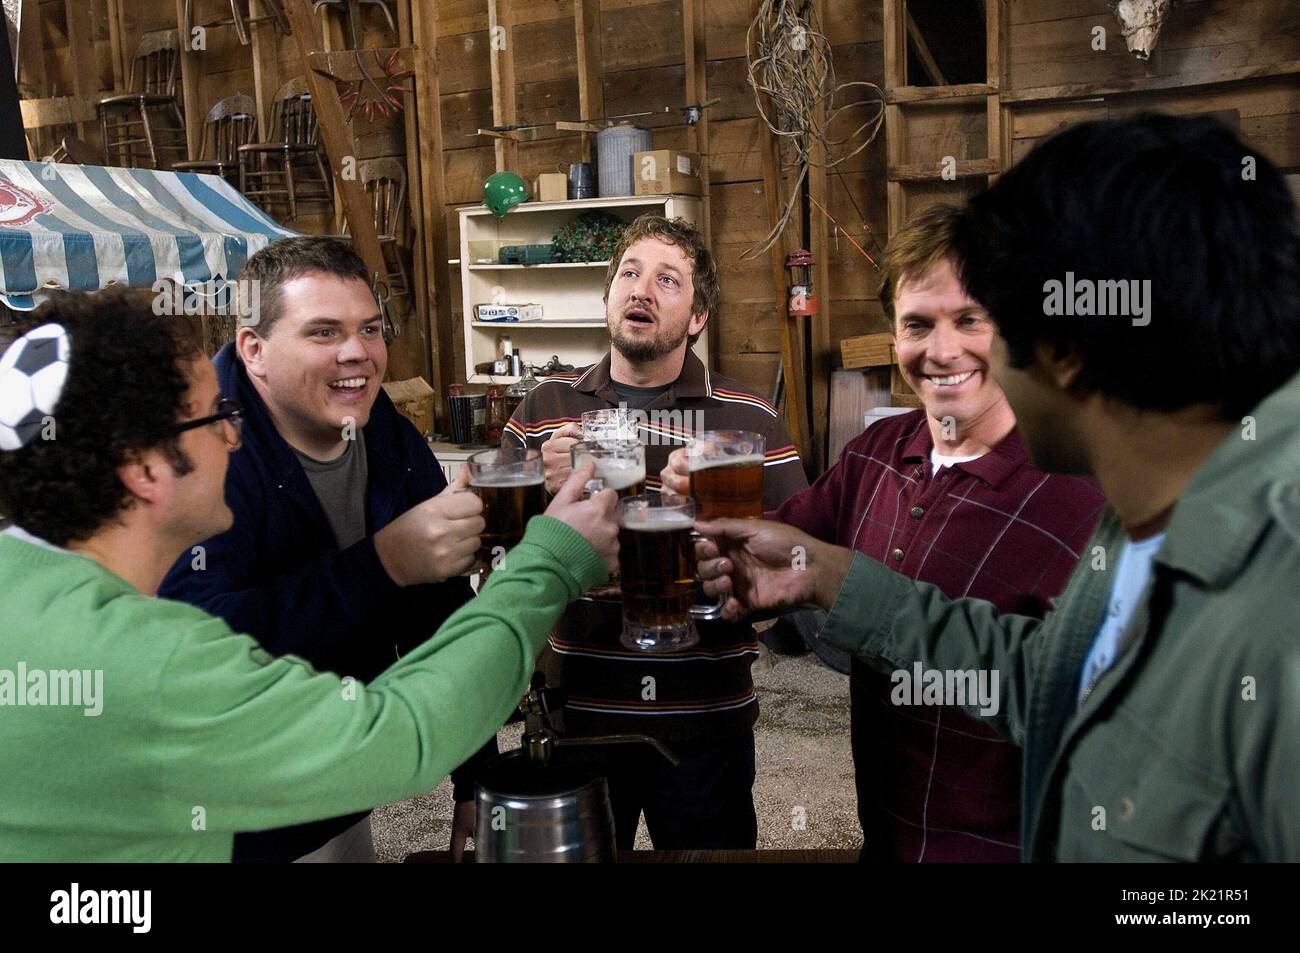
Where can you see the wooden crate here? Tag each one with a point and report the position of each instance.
(868, 350)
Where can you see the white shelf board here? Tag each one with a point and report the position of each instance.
(613, 201)
(553, 264)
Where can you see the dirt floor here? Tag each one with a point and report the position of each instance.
(804, 791)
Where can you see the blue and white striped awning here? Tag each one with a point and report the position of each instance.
(84, 227)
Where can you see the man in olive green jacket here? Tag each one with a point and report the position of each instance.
(1159, 705)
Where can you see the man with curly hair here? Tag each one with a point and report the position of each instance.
(134, 728)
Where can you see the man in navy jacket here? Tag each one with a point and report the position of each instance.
(339, 552)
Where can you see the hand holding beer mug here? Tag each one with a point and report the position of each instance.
(620, 465)
(726, 469)
(656, 560)
(511, 483)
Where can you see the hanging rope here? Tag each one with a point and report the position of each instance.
(793, 78)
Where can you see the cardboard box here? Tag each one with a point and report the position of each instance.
(900, 392)
(667, 172)
(551, 187)
(868, 350)
(507, 313)
(413, 399)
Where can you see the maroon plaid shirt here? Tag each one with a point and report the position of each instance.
(935, 784)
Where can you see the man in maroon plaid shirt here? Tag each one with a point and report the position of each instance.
(947, 496)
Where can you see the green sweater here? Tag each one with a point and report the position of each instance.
(202, 733)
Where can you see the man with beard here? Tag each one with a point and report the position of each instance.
(662, 289)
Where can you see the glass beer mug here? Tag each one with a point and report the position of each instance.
(656, 562)
(511, 482)
(726, 468)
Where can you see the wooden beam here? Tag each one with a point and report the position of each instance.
(895, 36)
(431, 227)
(56, 111)
(697, 136)
(919, 95)
(191, 75)
(31, 55)
(820, 323)
(997, 31)
(266, 70)
(338, 144)
(591, 89)
(501, 50)
(81, 53)
(115, 44)
(928, 62)
(1148, 84)
(933, 172)
(416, 327)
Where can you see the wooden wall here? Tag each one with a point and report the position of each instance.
(1213, 55)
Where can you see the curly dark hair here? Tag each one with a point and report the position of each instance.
(679, 232)
(124, 393)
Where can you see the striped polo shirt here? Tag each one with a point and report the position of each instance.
(686, 699)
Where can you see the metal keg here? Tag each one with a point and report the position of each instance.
(529, 812)
(615, 146)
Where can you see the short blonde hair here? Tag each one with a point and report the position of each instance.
(914, 249)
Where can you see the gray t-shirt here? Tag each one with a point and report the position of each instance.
(340, 485)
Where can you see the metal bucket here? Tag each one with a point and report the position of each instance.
(530, 813)
(614, 149)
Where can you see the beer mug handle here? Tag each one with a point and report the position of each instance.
(592, 486)
(706, 613)
(709, 613)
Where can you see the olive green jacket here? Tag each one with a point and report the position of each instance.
(1188, 748)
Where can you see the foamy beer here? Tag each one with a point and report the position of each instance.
(620, 465)
(727, 473)
(656, 561)
(512, 484)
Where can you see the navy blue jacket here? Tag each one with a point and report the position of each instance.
(278, 575)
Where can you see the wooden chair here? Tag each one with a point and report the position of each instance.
(125, 118)
(291, 167)
(231, 123)
(384, 181)
(77, 151)
(239, 19)
(353, 10)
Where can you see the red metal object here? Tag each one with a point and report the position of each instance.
(802, 301)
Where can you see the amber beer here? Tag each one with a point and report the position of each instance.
(512, 485)
(620, 464)
(726, 469)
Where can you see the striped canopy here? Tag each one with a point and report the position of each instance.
(84, 227)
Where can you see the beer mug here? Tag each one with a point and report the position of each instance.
(511, 482)
(620, 465)
(608, 423)
(656, 562)
(726, 468)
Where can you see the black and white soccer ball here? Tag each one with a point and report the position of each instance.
(32, 373)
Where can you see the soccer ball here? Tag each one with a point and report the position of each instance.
(32, 373)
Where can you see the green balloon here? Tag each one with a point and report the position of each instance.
(503, 191)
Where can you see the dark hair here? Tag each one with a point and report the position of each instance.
(1181, 202)
(124, 392)
(292, 258)
(679, 232)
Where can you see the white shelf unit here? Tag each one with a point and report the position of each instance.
(570, 293)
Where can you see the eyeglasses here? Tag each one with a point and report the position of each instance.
(227, 409)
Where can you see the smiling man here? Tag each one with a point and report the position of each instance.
(945, 495)
(661, 290)
(341, 552)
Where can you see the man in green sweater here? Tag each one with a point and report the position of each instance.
(134, 728)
